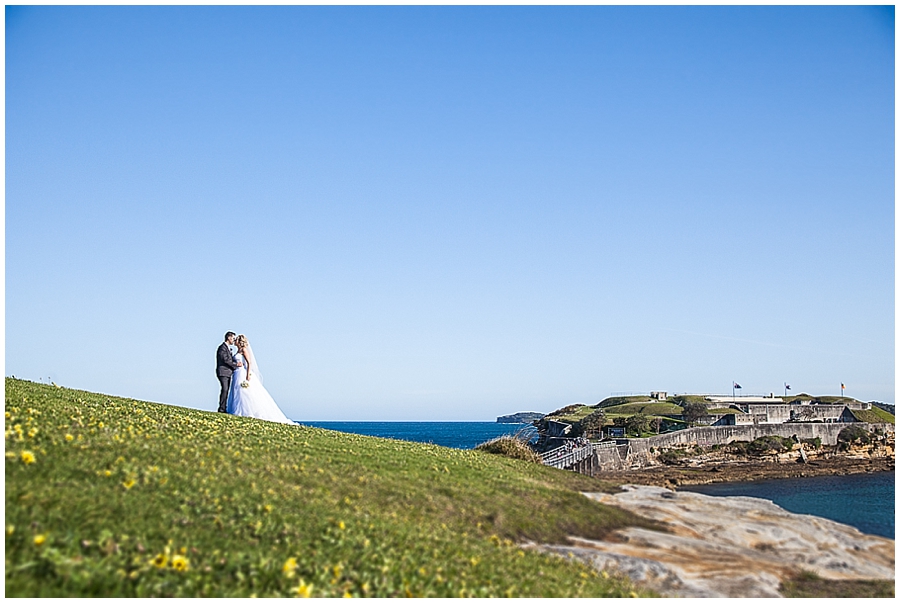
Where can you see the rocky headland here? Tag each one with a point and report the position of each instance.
(728, 464)
(527, 417)
(740, 546)
(727, 546)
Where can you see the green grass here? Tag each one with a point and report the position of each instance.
(648, 408)
(130, 498)
(619, 400)
(820, 399)
(808, 584)
(874, 415)
(572, 416)
(683, 399)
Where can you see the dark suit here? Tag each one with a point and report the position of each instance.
(225, 365)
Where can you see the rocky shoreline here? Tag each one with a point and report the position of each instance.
(727, 546)
(723, 464)
(744, 470)
(739, 546)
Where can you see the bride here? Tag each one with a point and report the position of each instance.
(248, 397)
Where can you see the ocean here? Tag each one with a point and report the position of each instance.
(452, 434)
(864, 501)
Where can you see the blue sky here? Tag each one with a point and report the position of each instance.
(451, 213)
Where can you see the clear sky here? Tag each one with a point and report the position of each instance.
(451, 213)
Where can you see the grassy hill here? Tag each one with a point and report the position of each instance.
(652, 408)
(571, 414)
(819, 399)
(619, 400)
(108, 496)
(874, 415)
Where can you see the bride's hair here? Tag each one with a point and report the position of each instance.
(241, 341)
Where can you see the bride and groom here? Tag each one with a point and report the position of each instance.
(242, 392)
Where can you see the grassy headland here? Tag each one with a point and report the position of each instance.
(644, 416)
(108, 496)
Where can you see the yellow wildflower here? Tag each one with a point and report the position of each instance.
(107, 473)
(267, 508)
(347, 594)
(10, 530)
(341, 525)
(180, 563)
(32, 432)
(69, 437)
(40, 539)
(128, 483)
(160, 561)
(303, 589)
(27, 457)
(290, 566)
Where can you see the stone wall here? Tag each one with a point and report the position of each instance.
(634, 453)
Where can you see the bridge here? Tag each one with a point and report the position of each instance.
(564, 459)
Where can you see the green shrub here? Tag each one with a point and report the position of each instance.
(854, 434)
(511, 447)
(771, 443)
(673, 455)
(592, 425)
(669, 457)
(814, 442)
(738, 447)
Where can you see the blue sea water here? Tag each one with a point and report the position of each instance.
(452, 434)
(864, 501)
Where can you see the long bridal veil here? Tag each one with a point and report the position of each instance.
(254, 365)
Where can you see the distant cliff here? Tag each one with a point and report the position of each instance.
(521, 417)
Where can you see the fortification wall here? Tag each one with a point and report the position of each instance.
(635, 453)
(611, 458)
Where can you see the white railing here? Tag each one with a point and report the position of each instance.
(562, 458)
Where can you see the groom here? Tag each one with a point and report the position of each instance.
(225, 365)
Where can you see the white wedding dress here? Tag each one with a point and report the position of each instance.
(254, 400)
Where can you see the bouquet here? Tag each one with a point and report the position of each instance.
(245, 384)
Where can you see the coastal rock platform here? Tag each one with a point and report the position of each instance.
(733, 546)
(708, 471)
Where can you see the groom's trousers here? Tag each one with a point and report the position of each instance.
(223, 395)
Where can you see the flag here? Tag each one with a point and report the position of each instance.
(738, 386)
(786, 386)
(842, 386)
